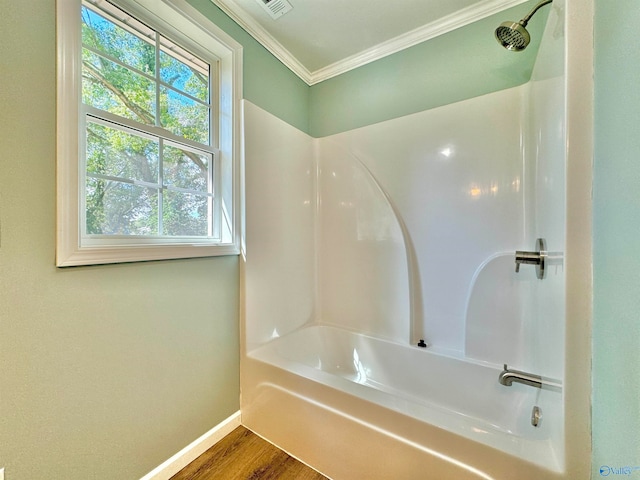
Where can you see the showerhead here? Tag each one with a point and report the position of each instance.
(513, 35)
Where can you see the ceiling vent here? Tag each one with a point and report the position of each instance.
(275, 8)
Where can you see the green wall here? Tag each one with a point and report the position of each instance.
(105, 372)
(616, 215)
(464, 63)
(456, 66)
(267, 82)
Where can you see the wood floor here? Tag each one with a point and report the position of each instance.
(242, 455)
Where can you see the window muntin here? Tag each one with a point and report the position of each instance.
(141, 180)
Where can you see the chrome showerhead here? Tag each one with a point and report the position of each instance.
(513, 35)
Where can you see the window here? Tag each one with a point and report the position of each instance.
(148, 153)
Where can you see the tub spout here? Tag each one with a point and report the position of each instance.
(507, 377)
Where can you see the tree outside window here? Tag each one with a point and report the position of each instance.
(139, 183)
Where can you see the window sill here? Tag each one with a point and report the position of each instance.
(143, 253)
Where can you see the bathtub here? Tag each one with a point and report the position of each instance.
(377, 388)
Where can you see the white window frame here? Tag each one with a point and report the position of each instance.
(180, 21)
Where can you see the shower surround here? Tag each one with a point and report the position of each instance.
(362, 244)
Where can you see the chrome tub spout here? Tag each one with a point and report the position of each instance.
(507, 377)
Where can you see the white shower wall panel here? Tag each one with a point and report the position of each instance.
(454, 176)
(363, 269)
(279, 273)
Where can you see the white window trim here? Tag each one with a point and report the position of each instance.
(180, 18)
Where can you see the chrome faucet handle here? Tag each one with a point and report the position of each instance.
(536, 258)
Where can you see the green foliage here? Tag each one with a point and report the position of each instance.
(179, 75)
(124, 193)
(183, 116)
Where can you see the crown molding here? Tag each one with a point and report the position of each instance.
(253, 28)
(421, 34)
(426, 32)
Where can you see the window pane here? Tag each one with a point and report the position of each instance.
(185, 214)
(111, 39)
(115, 208)
(110, 87)
(115, 153)
(182, 74)
(184, 169)
(184, 117)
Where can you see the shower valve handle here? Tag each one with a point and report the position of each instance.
(536, 258)
(528, 258)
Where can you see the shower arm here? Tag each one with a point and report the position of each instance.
(526, 19)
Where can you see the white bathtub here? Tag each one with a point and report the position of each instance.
(460, 396)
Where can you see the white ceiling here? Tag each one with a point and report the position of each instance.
(319, 39)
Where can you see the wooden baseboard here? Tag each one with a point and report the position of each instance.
(192, 451)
